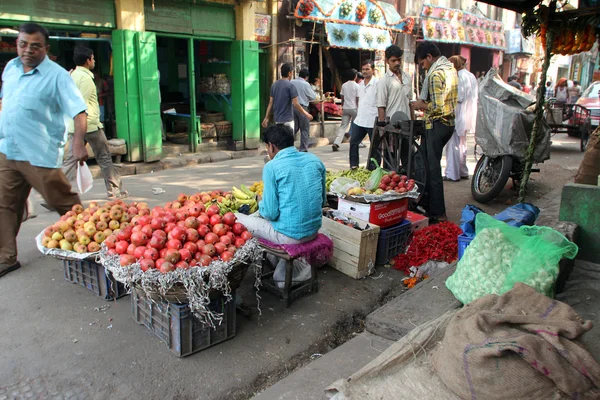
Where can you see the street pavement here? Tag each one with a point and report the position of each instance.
(57, 342)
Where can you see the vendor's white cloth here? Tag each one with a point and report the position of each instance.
(262, 228)
(367, 110)
(466, 118)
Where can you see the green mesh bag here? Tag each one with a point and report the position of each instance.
(500, 256)
(375, 179)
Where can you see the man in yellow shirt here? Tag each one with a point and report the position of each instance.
(438, 100)
(84, 80)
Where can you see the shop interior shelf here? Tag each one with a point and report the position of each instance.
(218, 97)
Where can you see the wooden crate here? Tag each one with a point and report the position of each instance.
(353, 250)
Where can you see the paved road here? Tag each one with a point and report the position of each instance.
(56, 344)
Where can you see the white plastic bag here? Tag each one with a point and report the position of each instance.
(342, 185)
(301, 271)
(85, 181)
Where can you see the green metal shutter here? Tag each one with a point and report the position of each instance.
(127, 99)
(149, 96)
(97, 13)
(245, 88)
(194, 19)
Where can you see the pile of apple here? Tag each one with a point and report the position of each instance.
(397, 183)
(83, 230)
(183, 234)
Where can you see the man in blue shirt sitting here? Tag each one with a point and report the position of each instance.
(37, 95)
(294, 192)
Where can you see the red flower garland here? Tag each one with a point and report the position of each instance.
(437, 242)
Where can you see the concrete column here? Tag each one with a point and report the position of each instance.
(244, 21)
(130, 15)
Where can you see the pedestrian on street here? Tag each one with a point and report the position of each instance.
(366, 113)
(438, 100)
(283, 99)
(37, 96)
(560, 91)
(512, 81)
(574, 92)
(83, 78)
(549, 91)
(349, 94)
(305, 96)
(466, 118)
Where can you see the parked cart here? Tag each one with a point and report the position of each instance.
(572, 119)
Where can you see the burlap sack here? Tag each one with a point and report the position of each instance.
(589, 169)
(518, 346)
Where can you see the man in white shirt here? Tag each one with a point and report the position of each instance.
(395, 88)
(305, 96)
(366, 113)
(349, 94)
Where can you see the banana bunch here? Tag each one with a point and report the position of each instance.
(257, 187)
(245, 196)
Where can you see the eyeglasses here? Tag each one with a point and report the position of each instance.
(33, 46)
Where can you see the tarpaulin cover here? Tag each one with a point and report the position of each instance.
(504, 125)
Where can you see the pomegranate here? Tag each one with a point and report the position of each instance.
(203, 219)
(182, 265)
(147, 264)
(205, 260)
(111, 241)
(178, 233)
(208, 250)
(229, 219)
(239, 242)
(213, 210)
(203, 230)
(192, 235)
(166, 267)
(159, 262)
(191, 246)
(238, 228)
(246, 235)
(226, 256)
(172, 256)
(131, 249)
(191, 222)
(126, 259)
(220, 229)
(215, 219)
(174, 244)
(158, 223)
(226, 240)
(139, 238)
(220, 247)
(211, 238)
(162, 252)
(157, 242)
(139, 252)
(151, 254)
(185, 255)
(121, 246)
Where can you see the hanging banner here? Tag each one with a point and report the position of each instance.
(447, 25)
(357, 37)
(262, 28)
(368, 13)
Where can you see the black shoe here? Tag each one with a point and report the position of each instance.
(5, 268)
(335, 147)
(445, 178)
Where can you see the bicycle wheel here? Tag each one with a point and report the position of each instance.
(418, 172)
(490, 177)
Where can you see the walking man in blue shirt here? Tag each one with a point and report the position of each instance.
(284, 98)
(294, 192)
(37, 95)
(305, 96)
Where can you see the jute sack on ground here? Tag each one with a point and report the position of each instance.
(589, 169)
(519, 346)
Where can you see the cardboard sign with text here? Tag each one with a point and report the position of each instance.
(383, 214)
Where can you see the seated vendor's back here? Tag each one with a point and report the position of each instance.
(294, 193)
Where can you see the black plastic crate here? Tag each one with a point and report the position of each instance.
(94, 277)
(176, 325)
(392, 241)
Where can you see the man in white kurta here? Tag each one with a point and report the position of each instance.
(466, 117)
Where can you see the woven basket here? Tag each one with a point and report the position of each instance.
(208, 130)
(224, 128)
(212, 117)
(177, 293)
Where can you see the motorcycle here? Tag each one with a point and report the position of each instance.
(503, 130)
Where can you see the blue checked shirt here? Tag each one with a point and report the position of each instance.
(35, 106)
(294, 193)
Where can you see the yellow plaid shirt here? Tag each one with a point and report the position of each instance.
(443, 96)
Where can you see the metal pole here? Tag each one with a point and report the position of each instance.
(192, 127)
(321, 111)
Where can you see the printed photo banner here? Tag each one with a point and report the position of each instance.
(441, 24)
(357, 36)
(367, 13)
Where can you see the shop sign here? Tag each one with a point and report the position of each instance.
(448, 25)
(516, 43)
(357, 36)
(262, 28)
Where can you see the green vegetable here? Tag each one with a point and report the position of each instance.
(359, 174)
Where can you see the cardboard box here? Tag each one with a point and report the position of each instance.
(354, 251)
(382, 214)
(417, 221)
